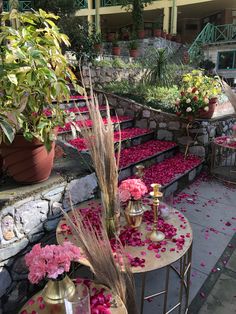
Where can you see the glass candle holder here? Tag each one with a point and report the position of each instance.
(80, 302)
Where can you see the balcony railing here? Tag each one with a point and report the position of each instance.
(83, 4)
(26, 5)
(23, 5)
(109, 3)
(212, 34)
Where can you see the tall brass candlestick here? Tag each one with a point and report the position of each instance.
(155, 235)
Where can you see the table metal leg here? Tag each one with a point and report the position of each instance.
(188, 270)
(166, 289)
(142, 292)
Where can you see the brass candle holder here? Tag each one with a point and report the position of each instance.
(155, 235)
(140, 171)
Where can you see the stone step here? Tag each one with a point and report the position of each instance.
(147, 154)
(66, 134)
(174, 173)
(129, 137)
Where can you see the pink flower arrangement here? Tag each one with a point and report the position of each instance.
(132, 189)
(50, 261)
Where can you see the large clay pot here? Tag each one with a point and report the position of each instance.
(133, 53)
(116, 51)
(202, 114)
(27, 162)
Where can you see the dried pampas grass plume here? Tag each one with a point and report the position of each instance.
(230, 94)
(97, 249)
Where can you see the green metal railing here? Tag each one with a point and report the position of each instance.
(83, 4)
(212, 34)
(26, 5)
(23, 5)
(110, 3)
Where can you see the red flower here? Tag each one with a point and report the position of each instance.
(182, 93)
(195, 98)
(194, 90)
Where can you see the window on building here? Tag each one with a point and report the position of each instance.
(227, 60)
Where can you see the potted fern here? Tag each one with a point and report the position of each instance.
(133, 49)
(34, 75)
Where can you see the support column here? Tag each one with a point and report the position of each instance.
(97, 16)
(174, 12)
(90, 17)
(166, 19)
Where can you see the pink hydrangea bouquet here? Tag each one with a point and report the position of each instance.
(132, 189)
(50, 261)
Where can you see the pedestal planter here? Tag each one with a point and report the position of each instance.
(116, 51)
(27, 162)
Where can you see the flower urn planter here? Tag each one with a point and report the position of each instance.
(203, 114)
(157, 32)
(27, 162)
(116, 51)
(141, 34)
(133, 53)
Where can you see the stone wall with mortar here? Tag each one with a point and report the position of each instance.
(27, 221)
(171, 128)
(104, 75)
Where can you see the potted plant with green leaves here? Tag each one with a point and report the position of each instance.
(133, 48)
(115, 48)
(97, 41)
(34, 76)
(157, 27)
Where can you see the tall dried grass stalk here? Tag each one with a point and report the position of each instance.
(230, 94)
(97, 249)
(100, 142)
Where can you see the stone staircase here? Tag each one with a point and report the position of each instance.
(163, 161)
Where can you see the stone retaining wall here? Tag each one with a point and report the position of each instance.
(101, 75)
(171, 128)
(27, 221)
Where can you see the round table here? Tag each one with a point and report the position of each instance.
(223, 164)
(168, 254)
(37, 304)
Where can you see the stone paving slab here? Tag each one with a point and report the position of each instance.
(222, 299)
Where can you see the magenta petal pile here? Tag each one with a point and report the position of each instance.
(125, 134)
(143, 151)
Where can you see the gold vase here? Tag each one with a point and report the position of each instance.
(134, 213)
(56, 291)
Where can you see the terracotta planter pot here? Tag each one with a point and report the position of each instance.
(116, 51)
(133, 53)
(202, 114)
(163, 34)
(168, 36)
(157, 32)
(126, 36)
(27, 162)
(141, 34)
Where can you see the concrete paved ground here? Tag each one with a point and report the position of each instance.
(210, 207)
